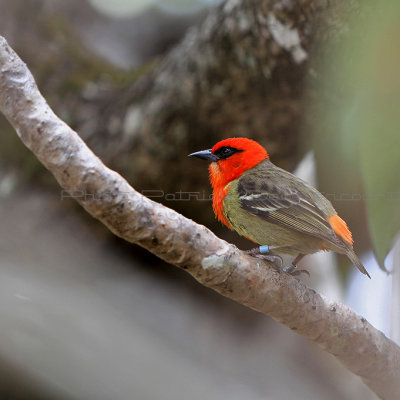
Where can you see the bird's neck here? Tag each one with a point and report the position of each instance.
(221, 174)
(218, 205)
(219, 182)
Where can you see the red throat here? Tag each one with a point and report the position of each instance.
(225, 171)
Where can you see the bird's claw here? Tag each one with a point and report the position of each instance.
(253, 252)
(270, 257)
(264, 253)
(291, 269)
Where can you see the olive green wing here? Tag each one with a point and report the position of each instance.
(281, 198)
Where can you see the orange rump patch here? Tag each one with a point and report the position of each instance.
(341, 229)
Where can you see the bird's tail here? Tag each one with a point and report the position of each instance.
(356, 261)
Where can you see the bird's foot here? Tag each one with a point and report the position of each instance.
(291, 269)
(265, 253)
(260, 250)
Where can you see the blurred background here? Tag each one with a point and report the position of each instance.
(85, 315)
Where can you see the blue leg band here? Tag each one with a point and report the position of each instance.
(264, 249)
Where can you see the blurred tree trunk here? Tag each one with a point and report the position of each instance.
(240, 72)
(175, 239)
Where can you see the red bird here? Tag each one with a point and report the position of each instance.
(271, 206)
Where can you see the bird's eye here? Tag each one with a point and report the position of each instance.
(225, 152)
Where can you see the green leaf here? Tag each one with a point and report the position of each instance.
(377, 125)
(360, 111)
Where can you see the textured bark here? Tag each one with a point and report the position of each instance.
(179, 241)
(241, 72)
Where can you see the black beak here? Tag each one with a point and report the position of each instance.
(205, 155)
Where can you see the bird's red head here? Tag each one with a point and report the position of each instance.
(232, 157)
(229, 159)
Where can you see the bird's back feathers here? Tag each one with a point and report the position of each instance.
(305, 221)
(281, 198)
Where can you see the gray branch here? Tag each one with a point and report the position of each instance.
(244, 70)
(213, 262)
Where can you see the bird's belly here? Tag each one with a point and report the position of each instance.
(262, 232)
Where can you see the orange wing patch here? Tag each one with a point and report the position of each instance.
(341, 229)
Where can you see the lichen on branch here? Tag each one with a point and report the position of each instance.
(213, 262)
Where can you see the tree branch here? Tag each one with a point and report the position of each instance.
(241, 72)
(179, 241)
